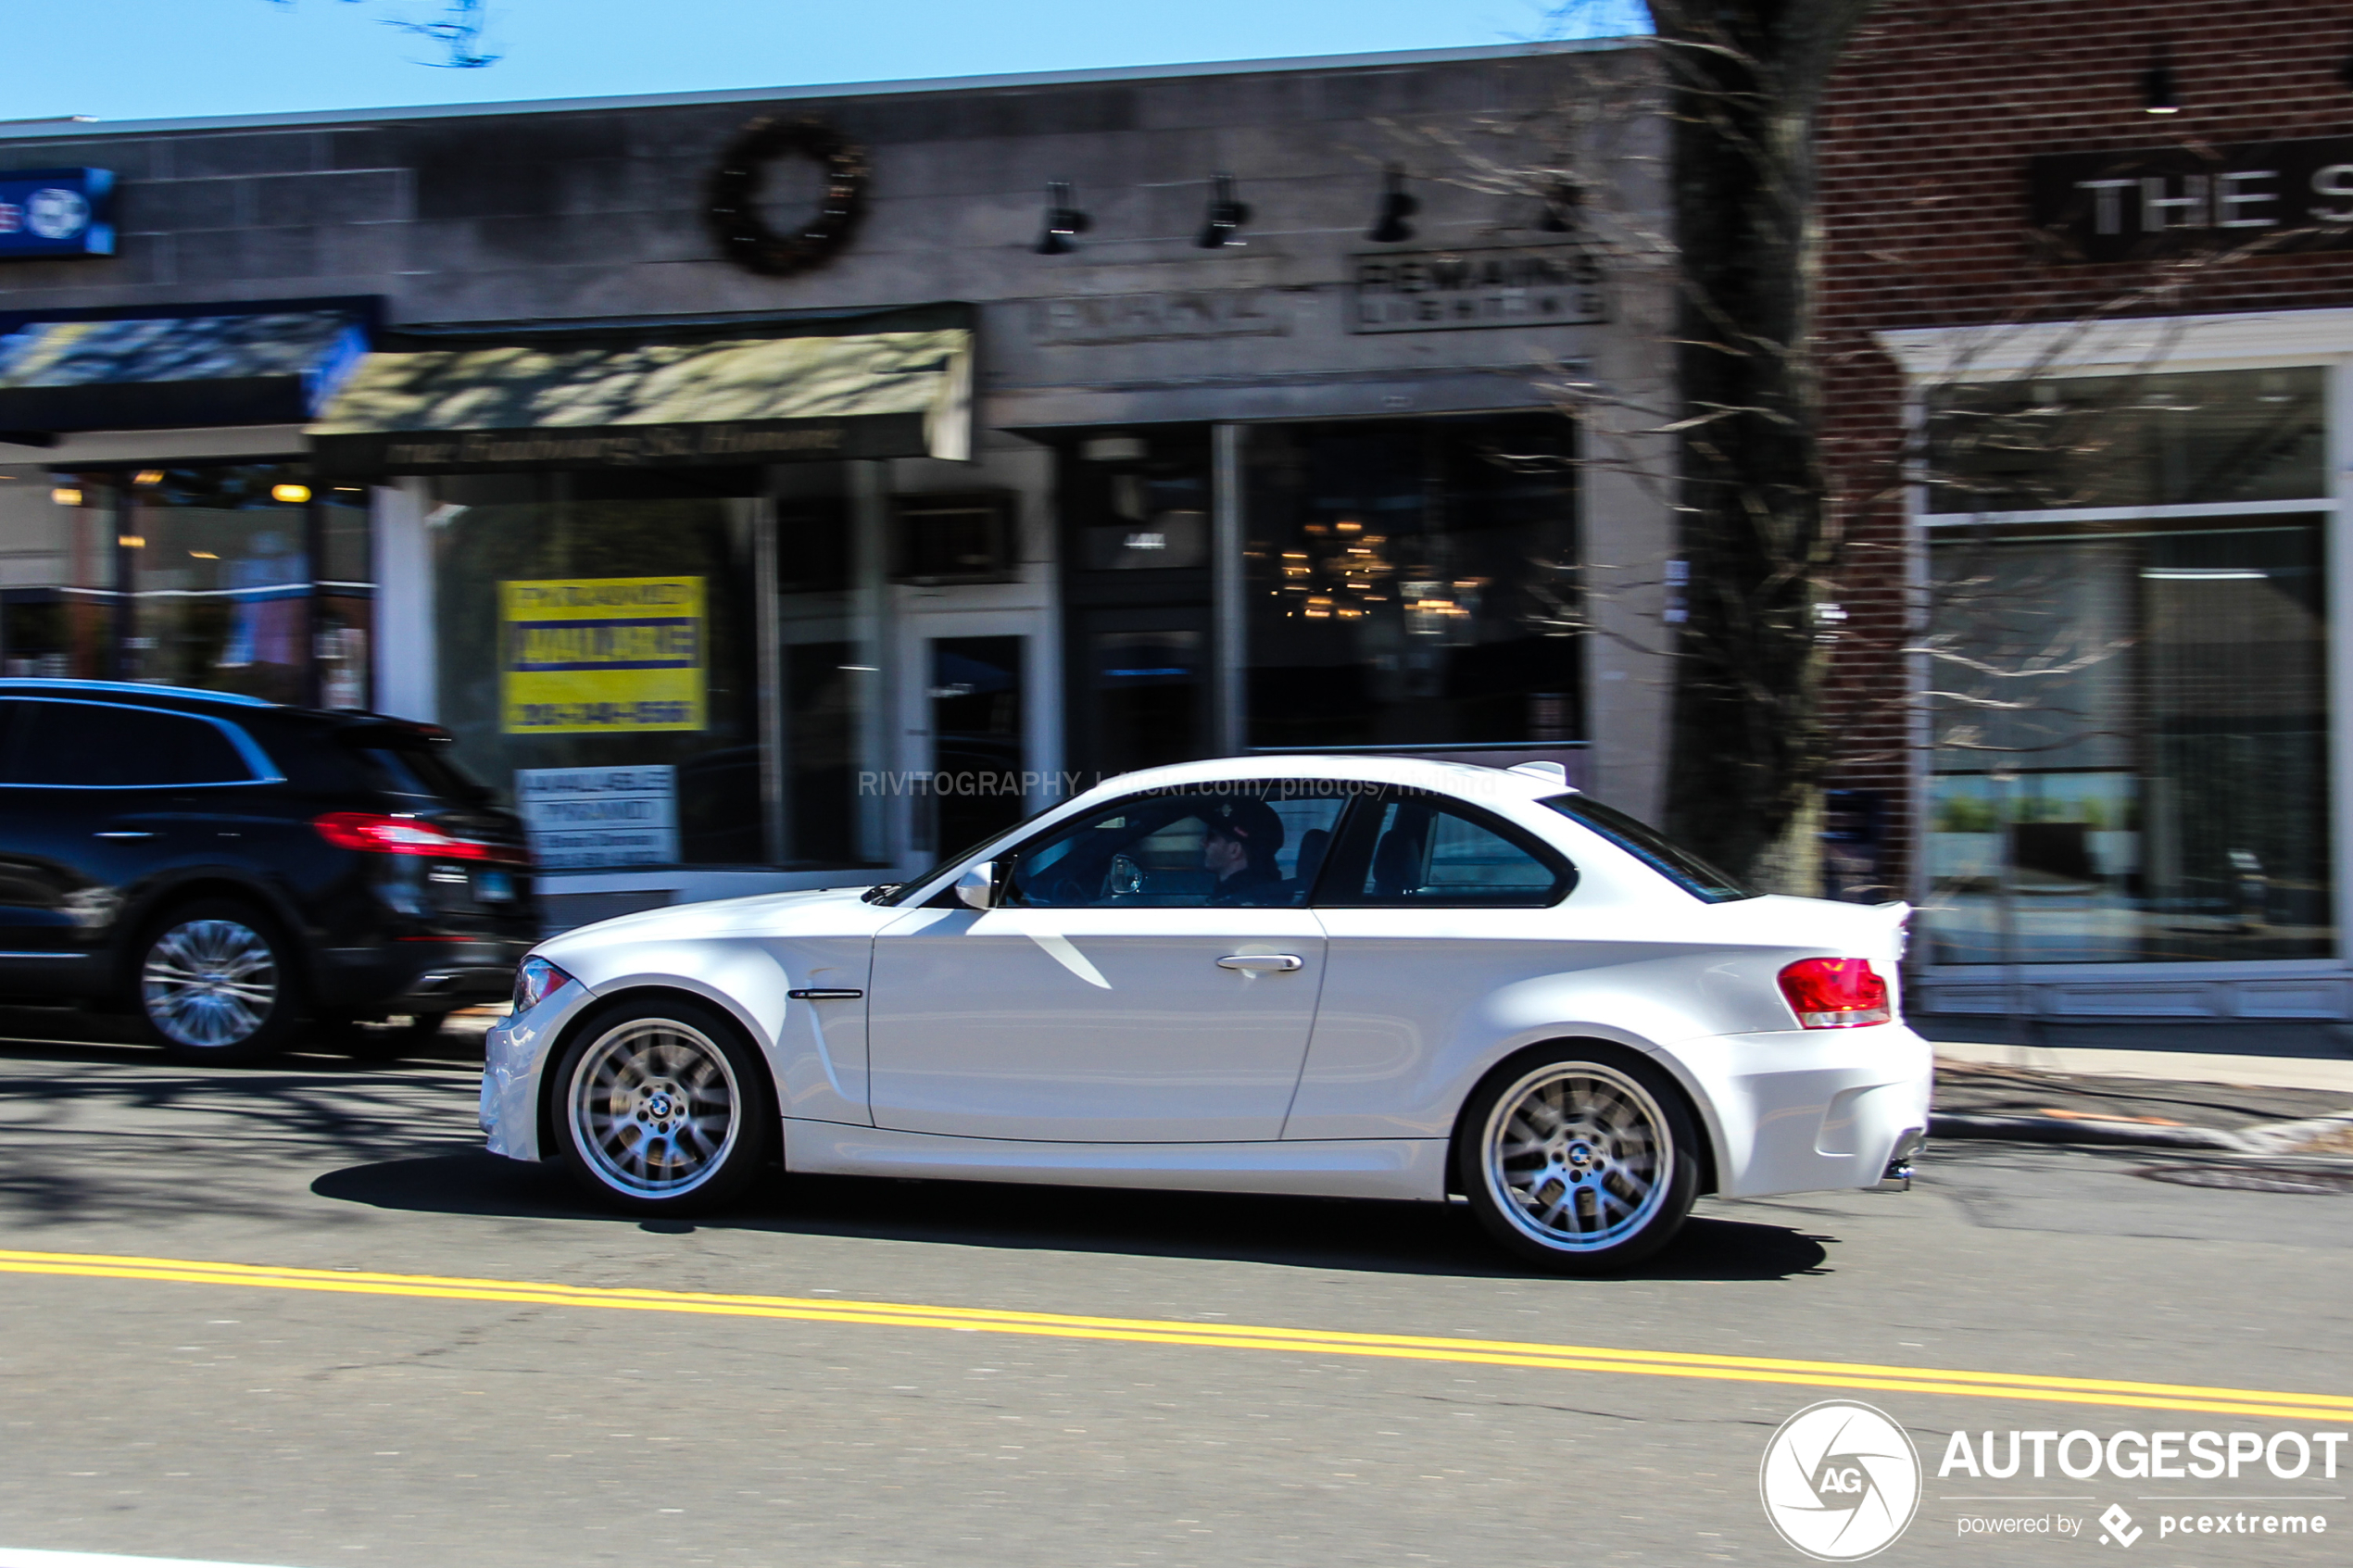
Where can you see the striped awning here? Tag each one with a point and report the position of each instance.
(732, 400)
(162, 372)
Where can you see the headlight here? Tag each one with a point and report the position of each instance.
(535, 981)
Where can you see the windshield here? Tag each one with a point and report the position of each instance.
(1652, 847)
(899, 892)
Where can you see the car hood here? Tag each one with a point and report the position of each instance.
(829, 910)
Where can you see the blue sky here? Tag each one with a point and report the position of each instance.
(143, 59)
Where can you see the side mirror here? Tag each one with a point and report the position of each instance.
(977, 886)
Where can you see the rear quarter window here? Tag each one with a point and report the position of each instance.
(1652, 847)
(89, 745)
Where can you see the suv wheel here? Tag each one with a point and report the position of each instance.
(1581, 1162)
(661, 1108)
(215, 985)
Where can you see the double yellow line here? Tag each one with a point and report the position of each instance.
(2328, 1408)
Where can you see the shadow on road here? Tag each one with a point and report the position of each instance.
(1405, 1238)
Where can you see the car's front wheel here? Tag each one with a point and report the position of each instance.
(1582, 1160)
(660, 1107)
(215, 985)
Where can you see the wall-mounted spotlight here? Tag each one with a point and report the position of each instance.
(1063, 220)
(1396, 205)
(2157, 91)
(1225, 217)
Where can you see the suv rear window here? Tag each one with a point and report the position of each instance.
(1652, 847)
(424, 771)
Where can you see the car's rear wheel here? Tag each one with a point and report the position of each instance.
(214, 984)
(660, 1107)
(1584, 1161)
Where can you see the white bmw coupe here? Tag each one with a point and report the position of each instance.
(1341, 976)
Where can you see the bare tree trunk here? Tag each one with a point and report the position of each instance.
(1749, 745)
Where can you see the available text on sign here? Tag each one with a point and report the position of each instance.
(602, 655)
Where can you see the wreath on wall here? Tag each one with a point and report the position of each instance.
(734, 212)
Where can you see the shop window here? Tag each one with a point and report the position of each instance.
(1139, 502)
(1411, 584)
(597, 645)
(2038, 444)
(943, 539)
(2131, 756)
(222, 577)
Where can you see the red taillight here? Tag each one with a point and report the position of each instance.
(1835, 993)
(374, 833)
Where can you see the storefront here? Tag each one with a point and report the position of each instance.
(2130, 802)
(2094, 415)
(739, 562)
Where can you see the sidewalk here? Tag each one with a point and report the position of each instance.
(2278, 1090)
(2288, 1056)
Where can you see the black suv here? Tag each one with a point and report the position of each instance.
(226, 867)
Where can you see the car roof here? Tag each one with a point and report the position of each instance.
(189, 699)
(1420, 773)
(129, 691)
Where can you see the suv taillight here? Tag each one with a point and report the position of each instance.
(375, 833)
(1835, 993)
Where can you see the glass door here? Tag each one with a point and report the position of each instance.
(978, 723)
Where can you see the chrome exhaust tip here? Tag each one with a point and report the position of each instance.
(1898, 1177)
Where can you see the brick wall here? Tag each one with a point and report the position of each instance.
(1926, 134)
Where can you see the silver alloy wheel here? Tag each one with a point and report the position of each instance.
(1577, 1156)
(209, 983)
(654, 1108)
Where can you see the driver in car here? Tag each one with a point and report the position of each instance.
(1244, 836)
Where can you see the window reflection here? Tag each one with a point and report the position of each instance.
(2035, 445)
(1411, 583)
(2131, 755)
(596, 622)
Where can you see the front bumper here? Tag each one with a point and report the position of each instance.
(1811, 1109)
(515, 1054)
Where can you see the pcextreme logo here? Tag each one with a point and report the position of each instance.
(1839, 1481)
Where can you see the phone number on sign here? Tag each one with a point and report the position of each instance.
(600, 715)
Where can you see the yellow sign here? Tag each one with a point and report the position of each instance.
(602, 655)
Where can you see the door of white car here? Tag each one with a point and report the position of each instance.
(1148, 976)
(1426, 904)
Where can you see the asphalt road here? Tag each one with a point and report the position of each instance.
(324, 1418)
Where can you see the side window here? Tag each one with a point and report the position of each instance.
(1256, 846)
(91, 745)
(1439, 856)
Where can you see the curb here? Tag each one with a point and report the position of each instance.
(2037, 1129)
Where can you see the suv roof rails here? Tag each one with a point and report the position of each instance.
(131, 688)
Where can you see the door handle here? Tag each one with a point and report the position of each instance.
(1273, 963)
(124, 833)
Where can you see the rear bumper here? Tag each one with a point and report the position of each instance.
(1811, 1109)
(420, 976)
